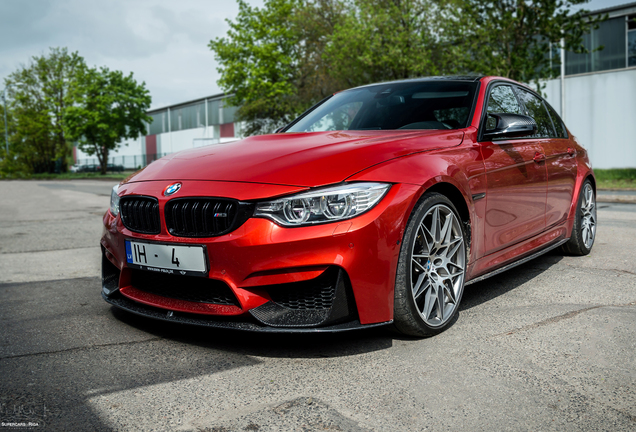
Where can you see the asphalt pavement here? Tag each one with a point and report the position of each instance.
(547, 346)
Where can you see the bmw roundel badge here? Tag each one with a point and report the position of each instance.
(172, 189)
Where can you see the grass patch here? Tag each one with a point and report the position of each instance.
(616, 178)
(69, 176)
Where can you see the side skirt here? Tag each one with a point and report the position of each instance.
(516, 263)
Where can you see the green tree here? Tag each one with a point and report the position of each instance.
(271, 60)
(279, 60)
(108, 107)
(382, 40)
(38, 94)
(513, 38)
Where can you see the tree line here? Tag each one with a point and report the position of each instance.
(279, 60)
(57, 100)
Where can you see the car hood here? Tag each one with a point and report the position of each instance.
(295, 159)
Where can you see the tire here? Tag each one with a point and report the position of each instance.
(584, 230)
(431, 268)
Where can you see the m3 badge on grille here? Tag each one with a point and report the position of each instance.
(172, 189)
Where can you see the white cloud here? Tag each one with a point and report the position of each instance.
(164, 43)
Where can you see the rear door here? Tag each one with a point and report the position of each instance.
(516, 178)
(560, 158)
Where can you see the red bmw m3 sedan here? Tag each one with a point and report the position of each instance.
(376, 206)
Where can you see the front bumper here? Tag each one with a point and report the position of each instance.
(355, 259)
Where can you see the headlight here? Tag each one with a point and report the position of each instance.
(323, 205)
(114, 201)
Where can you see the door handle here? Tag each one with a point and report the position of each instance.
(539, 157)
(571, 151)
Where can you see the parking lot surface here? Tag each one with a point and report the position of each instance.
(549, 345)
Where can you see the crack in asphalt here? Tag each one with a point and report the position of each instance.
(49, 250)
(89, 216)
(561, 317)
(82, 348)
(601, 269)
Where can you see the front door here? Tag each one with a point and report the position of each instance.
(516, 179)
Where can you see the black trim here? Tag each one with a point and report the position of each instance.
(231, 323)
(515, 87)
(516, 263)
(479, 196)
(325, 300)
(186, 288)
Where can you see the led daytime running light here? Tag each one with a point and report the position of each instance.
(323, 205)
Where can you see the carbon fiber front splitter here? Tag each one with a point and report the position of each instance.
(123, 303)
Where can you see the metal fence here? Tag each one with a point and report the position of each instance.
(119, 163)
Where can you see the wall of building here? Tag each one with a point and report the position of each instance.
(600, 110)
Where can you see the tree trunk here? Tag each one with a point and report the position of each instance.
(104, 160)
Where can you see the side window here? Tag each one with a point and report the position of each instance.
(557, 122)
(502, 100)
(539, 113)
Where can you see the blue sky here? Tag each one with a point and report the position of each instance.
(164, 43)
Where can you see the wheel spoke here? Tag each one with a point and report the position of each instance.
(428, 304)
(421, 286)
(421, 267)
(453, 247)
(435, 225)
(461, 268)
(424, 232)
(441, 301)
(446, 230)
(451, 295)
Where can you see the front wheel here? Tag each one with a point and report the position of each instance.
(431, 268)
(584, 230)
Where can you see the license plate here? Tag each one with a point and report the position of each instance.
(169, 259)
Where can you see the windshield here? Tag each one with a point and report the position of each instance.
(404, 105)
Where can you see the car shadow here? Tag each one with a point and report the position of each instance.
(324, 345)
(493, 287)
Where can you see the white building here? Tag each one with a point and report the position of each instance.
(600, 91)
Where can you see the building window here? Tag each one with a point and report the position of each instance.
(187, 117)
(631, 41)
(611, 36)
(213, 112)
(157, 124)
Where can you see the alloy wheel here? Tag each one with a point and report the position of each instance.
(438, 265)
(588, 216)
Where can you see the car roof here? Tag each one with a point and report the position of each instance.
(464, 78)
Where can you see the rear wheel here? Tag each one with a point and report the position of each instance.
(431, 268)
(584, 230)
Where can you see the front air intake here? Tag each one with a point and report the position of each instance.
(140, 214)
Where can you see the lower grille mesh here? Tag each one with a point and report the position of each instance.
(316, 294)
(188, 288)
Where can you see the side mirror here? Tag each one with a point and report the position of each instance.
(503, 125)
